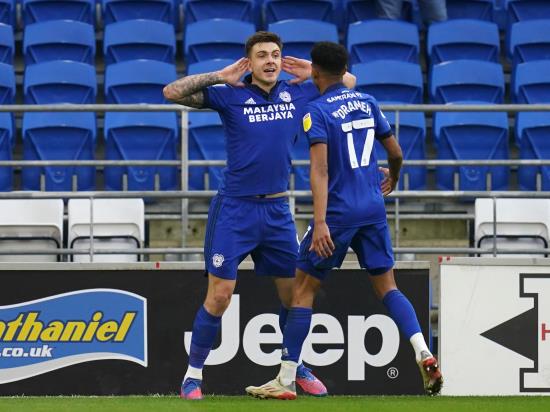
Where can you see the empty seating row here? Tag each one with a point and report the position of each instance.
(59, 81)
(73, 136)
(141, 81)
(223, 38)
(259, 12)
(143, 136)
(37, 224)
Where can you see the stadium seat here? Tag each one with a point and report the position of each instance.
(7, 44)
(390, 80)
(529, 41)
(471, 136)
(7, 12)
(59, 40)
(382, 40)
(360, 10)
(206, 142)
(35, 11)
(515, 229)
(6, 149)
(521, 10)
(60, 81)
(31, 224)
(532, 132)
(531, 82)
(470, 9)
(141, 136)
(467, 80)
(139, 39)
(119, 224)
(299, 35)
(216, 39)
(59, 136)
(196, 10)
(207, 66)
(460, 39)
(137, 81)
(7, 84)
(277, 10)
(412, 139)
(120, 10)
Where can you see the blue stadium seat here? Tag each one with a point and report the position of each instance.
(35, 11)
(277, 10)
(120, 10)
(196, 10)
(472, 136)
(59, 40)
(463, 39)
(299, 35)
(7, 44)
(6, 149)
(382, 40)
(138, 81)
(7, 84)
(389, 80)
(216, 39)
(141, 136)
(139, 39)
(59, 136)
(467, 80)
(532, 131)
(207, 66)
(529, 41)
(521, 10)
(60, 81)
(412, 139)
(206, 142)
(360, 10)
(471, 9)
(531, 82)
(7, 12)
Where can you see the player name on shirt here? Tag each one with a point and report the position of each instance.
(268, 113)
(350, 107)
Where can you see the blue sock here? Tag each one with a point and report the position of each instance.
(296, 331)
(205, 330)
(283, 315)
(402, 312)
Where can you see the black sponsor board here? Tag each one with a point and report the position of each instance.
(173, 297)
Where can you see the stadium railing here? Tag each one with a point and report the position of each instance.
(184, 194)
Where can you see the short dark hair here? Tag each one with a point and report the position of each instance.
(262, 37)
(329, 57)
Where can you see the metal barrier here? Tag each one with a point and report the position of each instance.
(184, 163)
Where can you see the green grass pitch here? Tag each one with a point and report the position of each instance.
(303, 404)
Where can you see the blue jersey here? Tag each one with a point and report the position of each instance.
(260, 130)
(348, 122)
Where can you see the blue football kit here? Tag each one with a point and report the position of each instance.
(260, 130)
(348, 122)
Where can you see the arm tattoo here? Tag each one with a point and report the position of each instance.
(188, 89)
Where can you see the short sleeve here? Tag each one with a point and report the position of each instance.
(216, 97)
(314, 127)
(383, 128)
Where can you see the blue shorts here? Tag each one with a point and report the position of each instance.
(371, 244)
(238, 227)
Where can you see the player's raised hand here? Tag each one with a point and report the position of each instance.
(389, 183)
(232, 74)
(321, 241)
(299, 68)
